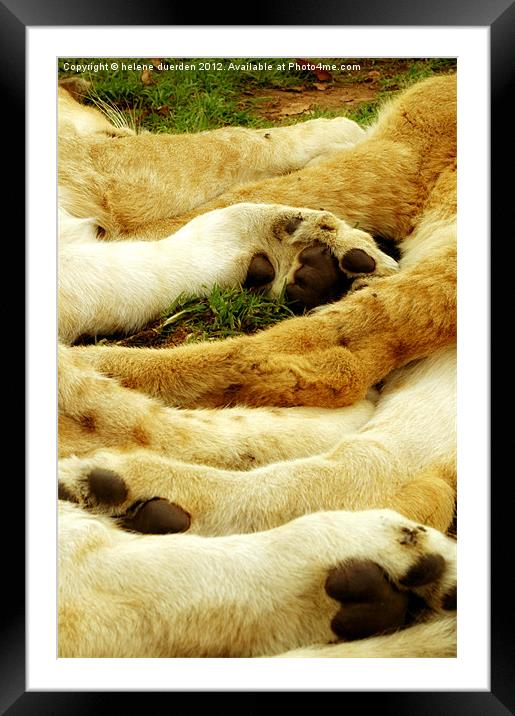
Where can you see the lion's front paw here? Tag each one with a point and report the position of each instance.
(322, 256)
(412, 573)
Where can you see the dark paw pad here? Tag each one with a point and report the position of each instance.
(157, 517)
(358, 261)
(370, 603)
(318, 280)
(106, 487)
(428, 569)
(260, 272)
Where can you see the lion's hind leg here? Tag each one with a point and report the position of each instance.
(130, 595)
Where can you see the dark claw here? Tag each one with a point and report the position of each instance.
(293, 224)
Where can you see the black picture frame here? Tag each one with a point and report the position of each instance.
(15, 17)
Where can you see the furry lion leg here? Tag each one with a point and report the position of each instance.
(95, 413)
(128, 595)
(221, 501)
(374, 185)
(434, 639)
(101, 179)
(429, 498)
(402, 458)
(327, 359)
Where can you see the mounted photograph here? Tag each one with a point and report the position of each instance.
(257, 326)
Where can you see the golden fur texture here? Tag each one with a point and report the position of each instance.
(311, 439)
(127, 182)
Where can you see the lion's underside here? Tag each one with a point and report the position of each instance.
(279, 464)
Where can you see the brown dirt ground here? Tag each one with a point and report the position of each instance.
(279, 104)
(342, 90)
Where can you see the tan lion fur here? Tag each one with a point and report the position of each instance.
(129, 181)
(399, 180)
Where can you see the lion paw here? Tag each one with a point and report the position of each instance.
(317, 257)
(105, 491)
(415, 575)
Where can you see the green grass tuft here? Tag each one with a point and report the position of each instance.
(223, 313)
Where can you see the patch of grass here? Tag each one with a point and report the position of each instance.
(415, 72)
(224, 313)
(366, 113)
(189, 100)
